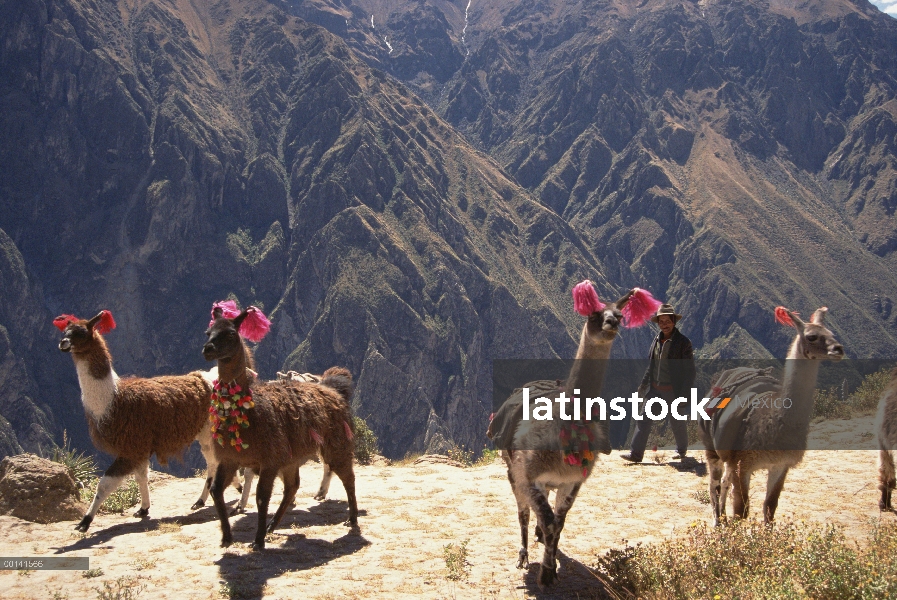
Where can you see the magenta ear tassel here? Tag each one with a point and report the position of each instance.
(255, 326)
(640, 308)
(585, 299)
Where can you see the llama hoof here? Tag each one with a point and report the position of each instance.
(142, 513)
(522, 559)
(320, 496)
(198, 504)
(547, 575)
(240, 489)
(84, 524)
(258, 546)
(226, 541)
(237, 510)
(350, 522)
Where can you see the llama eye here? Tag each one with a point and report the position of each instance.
(812, 337)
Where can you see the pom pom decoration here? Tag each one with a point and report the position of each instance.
(783, 317)
(640, 308)
(585, 299)
(228, 308)
(255, 326)
(106, 324)
(62, 321)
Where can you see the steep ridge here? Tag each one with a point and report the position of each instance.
(161, 155)
(734, 155)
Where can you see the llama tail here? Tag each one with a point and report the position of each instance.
(340, 379)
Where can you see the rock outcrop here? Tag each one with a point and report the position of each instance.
(39, 490)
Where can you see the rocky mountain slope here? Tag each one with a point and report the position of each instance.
(163, 155)
(410, 189)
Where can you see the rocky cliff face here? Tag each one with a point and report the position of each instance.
(164, 155)
(732, 155)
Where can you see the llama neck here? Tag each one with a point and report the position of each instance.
(97, 378)
(798, 384)
(587, 373)
(234, 369)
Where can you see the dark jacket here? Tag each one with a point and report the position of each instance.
(681, 372)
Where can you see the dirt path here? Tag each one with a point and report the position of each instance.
(408, 515)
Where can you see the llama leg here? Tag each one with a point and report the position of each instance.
(538, 500)
(109, 482)
(141, 474)
(775, 481)
(325, 483)
(715, 468)
(290, 487)
(725, 487)
(262, 498)
(224, 474)
(886, 478)
(205, 446)
(564, 498)
(522, 517)
(240, 507)
(741, 482)
(345, 473)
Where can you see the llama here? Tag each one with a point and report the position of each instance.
(887, 442)
(539, 461)
(774, 437)
(132, 418)
(273, 427)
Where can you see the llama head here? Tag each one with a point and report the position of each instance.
(814, 340)
(603, 319)
(225, 330)
(80, 335)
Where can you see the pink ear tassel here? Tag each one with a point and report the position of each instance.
(349, 434)
(783, 317)
(228, 308)
(255, 326)
(585, 299)
(316, 437)
(640, 308)
(106, 324)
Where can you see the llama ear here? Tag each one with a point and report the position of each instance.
(62, 321)
(788, 318)
(217, 312)
(254, 325)
(103, 323)
(819, 316)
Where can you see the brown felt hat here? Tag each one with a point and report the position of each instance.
(668, 310)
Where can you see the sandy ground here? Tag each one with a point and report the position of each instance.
(408, 515)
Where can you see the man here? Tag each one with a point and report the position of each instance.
(670, 375)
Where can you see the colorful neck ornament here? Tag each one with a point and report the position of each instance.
(577, 440)
(229, 413)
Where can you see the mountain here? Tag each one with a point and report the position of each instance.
(410, 189)
(160, 156)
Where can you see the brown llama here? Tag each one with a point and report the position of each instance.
(537, 461)
(133, 418)
(773, 435)
(283, 425)
(887, 442)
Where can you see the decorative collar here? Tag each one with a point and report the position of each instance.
(229, 413)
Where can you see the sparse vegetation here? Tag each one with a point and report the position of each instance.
(365, 442)
(119, 501)
(749, 560)
(456, 564)
(90, 573)
(830, 403)
(461, 454)
(143, 563)
(702, 496)
(83, 466)
(487, 457)
(124, 588)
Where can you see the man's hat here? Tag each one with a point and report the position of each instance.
(668, 310)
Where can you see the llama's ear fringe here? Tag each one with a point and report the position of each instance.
(585, 299)
(106, 324)
(639, 309)
(783, 316)
(62, 321)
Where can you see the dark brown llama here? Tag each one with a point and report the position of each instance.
(132, 418)
(289, 424)
(887, 442)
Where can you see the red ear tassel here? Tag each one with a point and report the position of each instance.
(255, 326)
(106, 324)
(62, 321)
(783, 317)
(640, 308)
(585, 299)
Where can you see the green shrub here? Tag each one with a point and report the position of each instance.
(487, 457)
(456, 564)
(83, 466)
(365, 442)
(461, 454)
